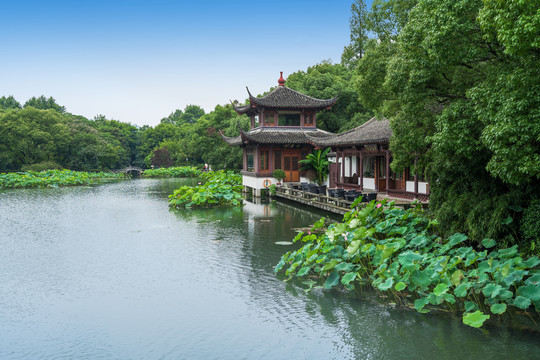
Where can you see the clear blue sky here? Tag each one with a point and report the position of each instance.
(138, 61)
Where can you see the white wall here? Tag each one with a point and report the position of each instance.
(257, 182)
(422, 187)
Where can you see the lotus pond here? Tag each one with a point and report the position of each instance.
(110, 272)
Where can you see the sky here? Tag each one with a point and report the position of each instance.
(139, 61)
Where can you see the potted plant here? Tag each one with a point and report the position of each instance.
(317, 161)
(279, 175)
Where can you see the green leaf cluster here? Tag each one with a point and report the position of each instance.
(52, 178)
(178, 171)
(221, 188)
(397, 251)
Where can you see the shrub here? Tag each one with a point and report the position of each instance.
(279, 174)
(45, 165)
(530, 224)
(182, 171)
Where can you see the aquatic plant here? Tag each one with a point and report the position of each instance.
(397, 252)
(220, 188)
(51, 178)
(182, 171)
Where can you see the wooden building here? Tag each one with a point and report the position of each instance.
(282, 121)
(361, 160)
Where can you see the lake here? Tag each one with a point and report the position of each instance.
(109, 272)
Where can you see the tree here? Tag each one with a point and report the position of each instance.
(355, 50)
(9, 103)
(31, 136)
(161, 157)
(326, 80)
(42, 103)
(465, 108)
(190, 115)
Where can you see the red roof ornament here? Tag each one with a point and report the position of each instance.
(281, 80)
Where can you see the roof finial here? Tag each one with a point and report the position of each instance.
(281, 80)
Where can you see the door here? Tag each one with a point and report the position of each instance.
(380, 173)
(290, 166)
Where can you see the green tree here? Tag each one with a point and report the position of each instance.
(326, 80)
(356, 48)
(190, 115)
(465, 108)
(31, 136)
(44, 103)
(9, 103)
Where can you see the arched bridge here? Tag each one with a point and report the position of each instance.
(131, 171)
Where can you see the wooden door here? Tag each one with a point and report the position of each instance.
(291, 166)
(380, 173)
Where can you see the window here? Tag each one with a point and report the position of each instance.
(277, 160)
(256, 120)
(308, 119)
(264, 160)
(269, 118)
(250, 161)
(288, 119)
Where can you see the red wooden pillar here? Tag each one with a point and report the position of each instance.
(271, 159)
(342, 166)
(387, 170)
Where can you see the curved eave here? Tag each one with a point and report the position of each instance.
(232, 141)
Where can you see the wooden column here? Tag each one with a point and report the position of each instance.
(343, 167)
(350, 164)
(387, 169)
(361, 169)
(256, 155)
(416, 183)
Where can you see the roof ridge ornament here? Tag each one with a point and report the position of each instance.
(281, 80)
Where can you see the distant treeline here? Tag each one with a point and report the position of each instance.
(40, 134)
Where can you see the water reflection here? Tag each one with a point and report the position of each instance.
(111, 272)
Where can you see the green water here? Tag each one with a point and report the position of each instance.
(109, 272)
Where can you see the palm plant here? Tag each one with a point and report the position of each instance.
(317, 161)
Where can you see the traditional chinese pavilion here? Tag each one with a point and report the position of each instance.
(362, 162)
(282, 122)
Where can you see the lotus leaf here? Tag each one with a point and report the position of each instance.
(522, 302)
(531, 291)
(440, 289)
(461, 290)
(475, 319)
(457, 238)
(489, 243)
(386, 285)
(348, 277)
(332, 280)
(400, 286)
(498, 308)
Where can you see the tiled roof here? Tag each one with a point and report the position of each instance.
(284, 98)
(372, 131)
(277, 135)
